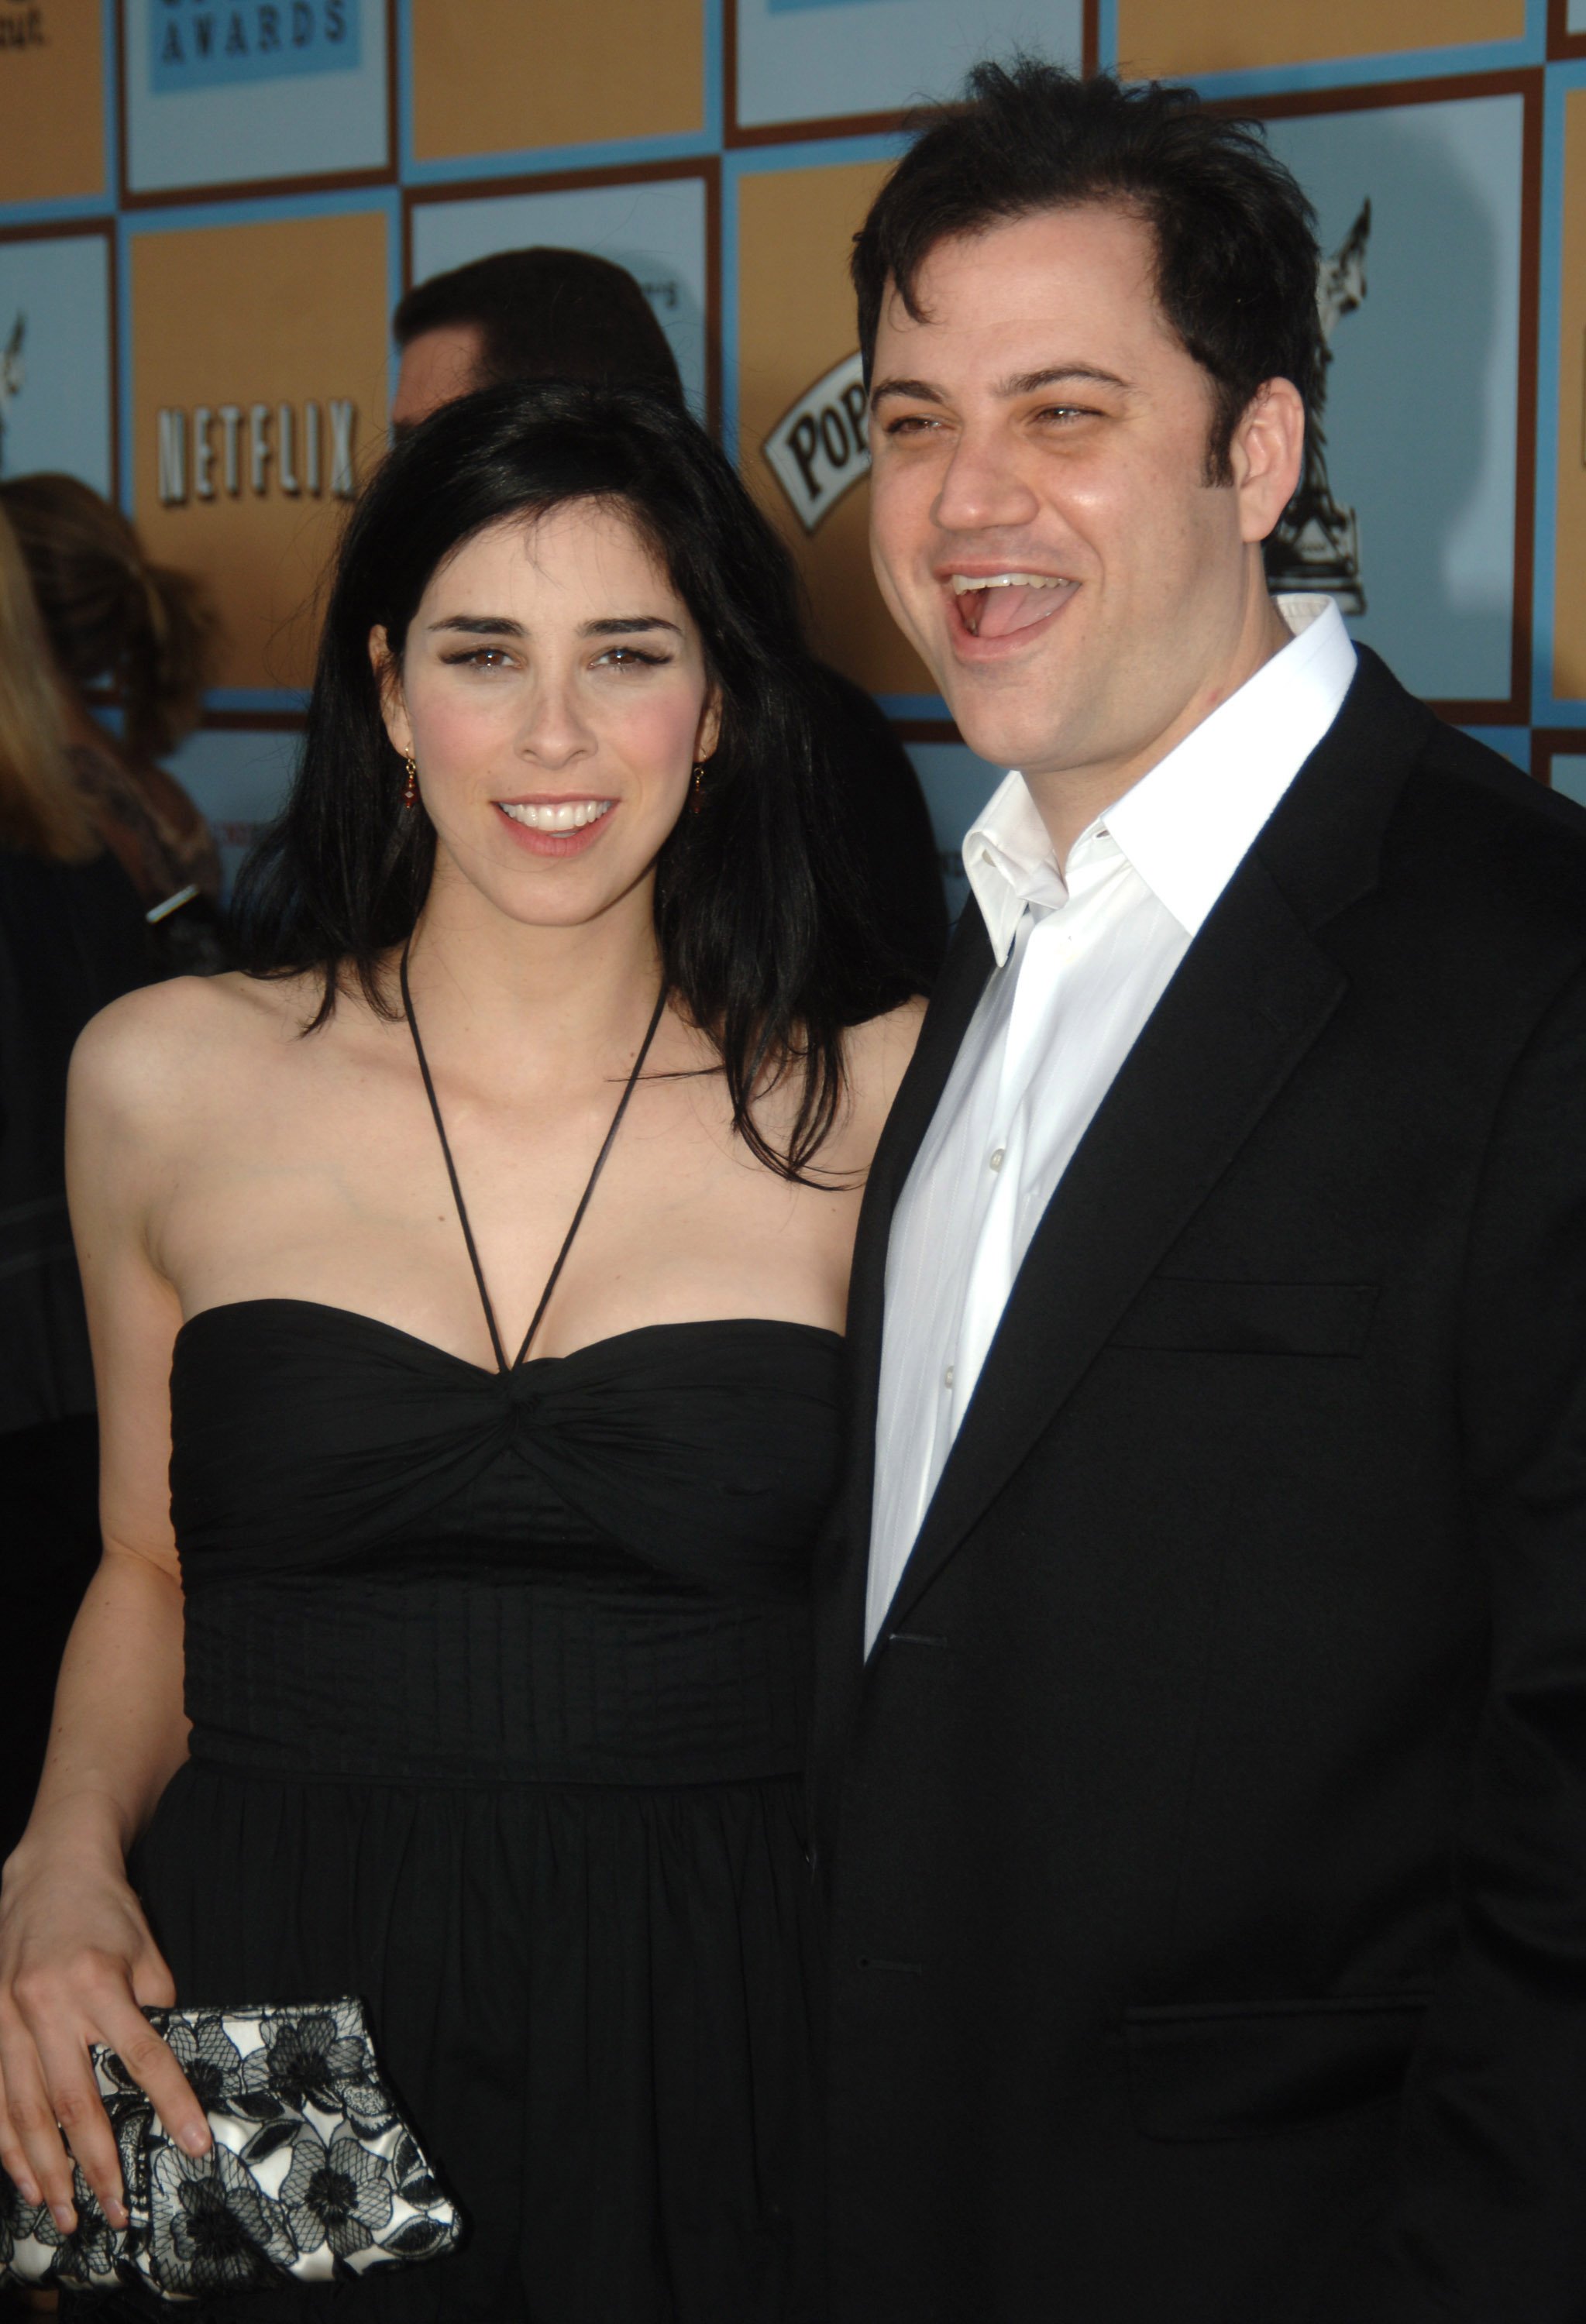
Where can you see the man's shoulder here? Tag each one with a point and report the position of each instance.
(1489, 824)
(1492, 787)
(1501, 845)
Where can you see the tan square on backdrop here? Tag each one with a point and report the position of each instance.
(1569, 611)
(52, 102)
(1205, 36)
(795, 320)
(293, 312)
(502, 75)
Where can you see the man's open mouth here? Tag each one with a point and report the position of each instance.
(1000, 604)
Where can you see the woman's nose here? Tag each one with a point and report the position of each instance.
(554, 732)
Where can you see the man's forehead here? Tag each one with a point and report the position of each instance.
(1094, 261)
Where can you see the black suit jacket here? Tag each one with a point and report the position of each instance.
(1205, 1843)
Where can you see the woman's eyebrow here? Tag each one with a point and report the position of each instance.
(499, 625)
(481, 625)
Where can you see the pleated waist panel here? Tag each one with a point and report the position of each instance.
(502, 1682)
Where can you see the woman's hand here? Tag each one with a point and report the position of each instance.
(76, 1960)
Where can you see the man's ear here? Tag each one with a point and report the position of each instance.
(394, 708)
(710, 725)
(1267, 454)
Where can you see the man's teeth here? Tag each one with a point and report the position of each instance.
(963, 582)
(567, 815)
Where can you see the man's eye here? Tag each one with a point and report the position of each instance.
(912, 423)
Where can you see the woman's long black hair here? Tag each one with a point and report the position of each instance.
(765, 936)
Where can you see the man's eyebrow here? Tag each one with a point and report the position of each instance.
(1031, 383)
(918, 391)
(1025, 382)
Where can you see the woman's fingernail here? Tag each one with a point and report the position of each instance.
(115, 2212)
(195, 2137)
(29, 2193)
(64, 2217)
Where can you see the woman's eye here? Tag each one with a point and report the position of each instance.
(481, 658)
(628, 658)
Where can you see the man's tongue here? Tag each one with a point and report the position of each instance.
(1015, 606)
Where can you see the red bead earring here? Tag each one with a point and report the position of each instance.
(411, 787)
(698, 801)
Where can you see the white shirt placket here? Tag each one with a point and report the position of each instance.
(1000, 1164)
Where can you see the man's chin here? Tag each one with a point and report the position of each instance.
(1003, 733)
(1005, 713)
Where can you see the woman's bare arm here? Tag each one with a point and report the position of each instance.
(77, 1958)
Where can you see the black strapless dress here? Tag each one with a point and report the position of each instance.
(497, 1684)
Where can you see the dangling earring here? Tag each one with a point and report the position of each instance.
(698, 801)
(411, 787)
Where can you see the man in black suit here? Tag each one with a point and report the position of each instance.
(1200, 1759)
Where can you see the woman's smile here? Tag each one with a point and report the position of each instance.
(562, 827)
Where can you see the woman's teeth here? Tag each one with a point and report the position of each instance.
(565, 814)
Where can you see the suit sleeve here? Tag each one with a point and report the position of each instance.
(1486, 2220)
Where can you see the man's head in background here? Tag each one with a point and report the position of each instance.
(527, 314)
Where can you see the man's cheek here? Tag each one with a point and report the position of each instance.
(892, 556)
(915, 606)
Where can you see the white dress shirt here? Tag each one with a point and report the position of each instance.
(1083, 954)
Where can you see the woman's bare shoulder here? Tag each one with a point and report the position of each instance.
(147, 1052)
(876, 1054)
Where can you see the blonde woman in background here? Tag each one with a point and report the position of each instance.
(143, 630)
(71, 939)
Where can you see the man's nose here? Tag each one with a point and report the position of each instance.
(983, 487)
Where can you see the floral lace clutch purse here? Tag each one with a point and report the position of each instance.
(313, 2173)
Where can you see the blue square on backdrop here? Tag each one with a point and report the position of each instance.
(1569, 776)
(232, 43)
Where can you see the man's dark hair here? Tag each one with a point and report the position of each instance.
(1236, 244)
(547, 314)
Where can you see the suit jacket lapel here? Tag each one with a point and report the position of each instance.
(1250, 997)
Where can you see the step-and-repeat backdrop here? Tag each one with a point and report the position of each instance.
(207, 209)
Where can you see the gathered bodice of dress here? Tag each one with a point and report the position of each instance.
(593, 1568)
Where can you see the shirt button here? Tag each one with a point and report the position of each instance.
(997, 1154)
(947, 1377)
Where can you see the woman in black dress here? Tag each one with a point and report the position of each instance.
(492, 1236)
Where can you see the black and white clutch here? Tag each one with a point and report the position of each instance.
(313, 2175)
